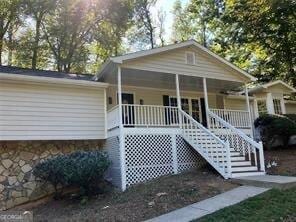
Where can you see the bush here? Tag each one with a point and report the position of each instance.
(291, 117)
(82, 169)
(275, 127)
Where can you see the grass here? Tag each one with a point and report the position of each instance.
(274, 205)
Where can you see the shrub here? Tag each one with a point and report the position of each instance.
(275, 127)
(291, 117)
(82, 169)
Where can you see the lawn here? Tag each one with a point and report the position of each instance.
(274, 205)
(140, 202)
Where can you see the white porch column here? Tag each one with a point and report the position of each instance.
(269, 103)
(206, 100)
(121, 132)
(248, 107)
(178, 100)
(256, 111)
(283, 106)
(119, 96)
(178, 92)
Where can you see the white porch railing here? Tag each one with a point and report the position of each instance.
(149, 115)
(112, 118)
(237, 118)
(237, 139)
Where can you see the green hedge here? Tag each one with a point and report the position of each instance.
(275, 127)
(82, 169)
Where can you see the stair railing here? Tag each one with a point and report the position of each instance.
(237, 139)
(209, 146)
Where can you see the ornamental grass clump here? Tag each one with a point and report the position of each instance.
(81, 169)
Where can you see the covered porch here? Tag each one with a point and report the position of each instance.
(150, 99)
(169, 110)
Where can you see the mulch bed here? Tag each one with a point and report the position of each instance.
(281, 161)
(138, 203)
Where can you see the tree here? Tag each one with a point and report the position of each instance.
(271, 25)
(72, 27)
(38, 10)
(161, 16)
(143, 31)
(205, 14)
(183, 28)
(9, 12)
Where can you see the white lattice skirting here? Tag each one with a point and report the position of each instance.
(150, 153)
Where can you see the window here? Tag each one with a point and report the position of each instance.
(190, 58)
(262, 108)
(277, 106)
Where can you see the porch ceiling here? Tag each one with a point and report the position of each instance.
(141, 78)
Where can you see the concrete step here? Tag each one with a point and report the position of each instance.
(268, 181)
(245, 174)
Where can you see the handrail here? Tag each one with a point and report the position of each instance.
(202, 127)
(240, 133)
(240, 141)
(209, 150)
(230, 110)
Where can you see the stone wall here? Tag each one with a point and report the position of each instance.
(17, 183)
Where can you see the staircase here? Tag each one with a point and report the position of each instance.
(231, 152)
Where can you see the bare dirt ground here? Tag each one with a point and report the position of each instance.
(281, 162)
(143, 201)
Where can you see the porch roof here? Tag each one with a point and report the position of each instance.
(280, 86)
(140, 78)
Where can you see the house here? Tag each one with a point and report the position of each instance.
(155, 112)
(270, 98)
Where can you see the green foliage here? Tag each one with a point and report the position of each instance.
(269, 24)
(273, 127)
(142, 34)
(59, 34)
(291, 117)
(82, 169)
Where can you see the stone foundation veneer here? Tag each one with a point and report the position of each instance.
(17, 182)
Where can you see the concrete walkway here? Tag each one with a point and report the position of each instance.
(267, 181)
(210, 205)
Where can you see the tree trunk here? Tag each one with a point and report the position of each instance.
(1, 48)
(10, 47)
(36, 43)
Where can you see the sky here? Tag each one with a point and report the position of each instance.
(167, 6)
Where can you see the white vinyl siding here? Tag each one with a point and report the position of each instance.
(235, 104)
(290, 108)
(173, 62)
(51, 112)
